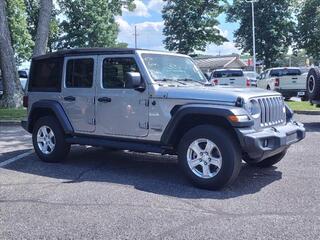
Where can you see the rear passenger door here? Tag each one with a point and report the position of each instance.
(78, 92)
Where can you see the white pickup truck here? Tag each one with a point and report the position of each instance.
(288, 81)
(230, 77)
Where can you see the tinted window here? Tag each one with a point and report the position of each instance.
(46, 75)
(79, 73)
(114, 71)
(22, 74)
(285, 72)
(228, 73)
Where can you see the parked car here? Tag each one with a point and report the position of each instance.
(23, 76)
(149, 101)
(252, 76)
(230, 77)
(288, 81)
(313, 86)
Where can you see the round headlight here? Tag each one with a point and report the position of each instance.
(253, 108)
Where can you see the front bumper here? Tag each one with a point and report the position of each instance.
(270, 141)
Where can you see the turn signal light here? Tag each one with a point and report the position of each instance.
(277, 82)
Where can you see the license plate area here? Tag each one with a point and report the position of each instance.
(301, 94)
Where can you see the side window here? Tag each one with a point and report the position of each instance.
(46, 75)
(114, 71)
(79, 73)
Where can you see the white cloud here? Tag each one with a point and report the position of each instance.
(150, 37)
(141, 10)
(149, 34)
(155, 5)
(224, 49)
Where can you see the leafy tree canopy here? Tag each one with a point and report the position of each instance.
(22, 42)
(91, 23)
(274, 27)
(308, 29)
(191, 24)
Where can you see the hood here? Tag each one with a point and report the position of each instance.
(212, 93)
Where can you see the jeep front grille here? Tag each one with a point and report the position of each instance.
(272, 112)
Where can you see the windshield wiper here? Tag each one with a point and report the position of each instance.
(170, 80)
(191, 80)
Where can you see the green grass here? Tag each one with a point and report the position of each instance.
(302, 106)
(12, 114)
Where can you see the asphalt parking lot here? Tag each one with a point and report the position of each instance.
(120, 195)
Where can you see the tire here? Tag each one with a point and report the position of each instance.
(226, 149)
(313, 84)
(268, 162)
(59, 148)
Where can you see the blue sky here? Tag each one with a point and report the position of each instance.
(147, 17)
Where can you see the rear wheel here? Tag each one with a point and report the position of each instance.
(209, 157)
(49, 140)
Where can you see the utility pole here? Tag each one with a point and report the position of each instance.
(253, 34)
(135, 37)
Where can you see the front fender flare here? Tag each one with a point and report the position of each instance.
(202, 109)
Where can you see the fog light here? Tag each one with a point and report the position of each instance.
(265, 143)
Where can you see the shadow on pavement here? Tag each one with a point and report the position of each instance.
(312, 126)
(146, 172)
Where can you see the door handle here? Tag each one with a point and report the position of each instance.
(70, 98)
(104, 99)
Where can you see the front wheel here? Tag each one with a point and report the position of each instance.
(209, 157)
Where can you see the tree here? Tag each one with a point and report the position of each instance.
(91, 23)
(22, 42)
(191, 25)
(274, 28)
(43, 27)
(32, 8)
(12, 88)
(308, 29)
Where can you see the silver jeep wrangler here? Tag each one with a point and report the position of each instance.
(148, 101)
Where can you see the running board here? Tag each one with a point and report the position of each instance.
(117, 144)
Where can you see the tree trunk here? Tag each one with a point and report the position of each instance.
(12, 89)
(43, 27)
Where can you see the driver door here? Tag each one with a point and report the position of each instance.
(120, 110)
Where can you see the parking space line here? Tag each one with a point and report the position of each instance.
(16, 158)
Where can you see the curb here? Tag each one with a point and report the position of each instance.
(10, 123)
(308, 112)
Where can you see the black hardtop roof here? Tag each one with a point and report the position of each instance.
(86, 51)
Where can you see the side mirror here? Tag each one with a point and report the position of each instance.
(134, 80)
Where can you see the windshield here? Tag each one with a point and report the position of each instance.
(285, 72)
(170, 67)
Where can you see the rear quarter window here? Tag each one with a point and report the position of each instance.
(46, 75)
